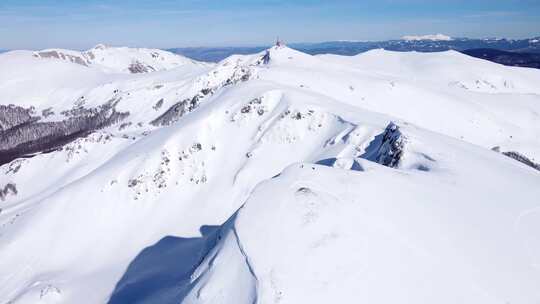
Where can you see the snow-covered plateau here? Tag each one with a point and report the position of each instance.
(140, 176)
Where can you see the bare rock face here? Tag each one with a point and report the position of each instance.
(60, 55)
(9, 189)
(179, 109)
(137, 67)
(21, 134)
(158, 104)
(522, 159)
(391, 149)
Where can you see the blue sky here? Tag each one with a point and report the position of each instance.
(78, 24)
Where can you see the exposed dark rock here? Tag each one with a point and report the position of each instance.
(62, 56)
(496, 149)
(522, 159)
(138, 67)
(179, 109)
(304, 190)
(124, 125)
(254, 105)
(392, 146)
(297, 115)
(10, 188)
(240, 75)
(158, 104)
(245, 77)
(196, 147)
(47, 112)
(90, 55)
(14, 166)
(132, 183)
(266, 57)
(245, 109)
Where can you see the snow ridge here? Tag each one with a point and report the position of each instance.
(119, 60)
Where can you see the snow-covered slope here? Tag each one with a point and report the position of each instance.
(467, 98)
(307, 179)
(119, 59)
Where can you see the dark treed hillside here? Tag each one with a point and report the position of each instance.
(507, 58)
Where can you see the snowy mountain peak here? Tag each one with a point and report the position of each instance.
(283, 55)
(119, 59)
(436, 37)
(100, 46)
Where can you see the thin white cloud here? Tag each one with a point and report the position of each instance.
(492, 14)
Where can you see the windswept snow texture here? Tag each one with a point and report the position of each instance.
(279, 177)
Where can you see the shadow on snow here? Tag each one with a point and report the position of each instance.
(161, 273)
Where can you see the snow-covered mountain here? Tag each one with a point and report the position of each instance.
(119, 59)
(277, 177)
(427, 43)
(436, 37)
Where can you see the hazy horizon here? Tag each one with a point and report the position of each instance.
(33, 24)
(266, 44)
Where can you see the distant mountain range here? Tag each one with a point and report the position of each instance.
(530, 60)
(511, 52)
(431, 43)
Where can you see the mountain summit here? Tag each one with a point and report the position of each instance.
(119, 59)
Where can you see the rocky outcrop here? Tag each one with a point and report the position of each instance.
(8, 189)
(391, 148)
(266, 58)
(137, 67)
(522, 159)
(519, 157)
(158, 104)
(29, 135)
(78, 59)
(179, 109)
